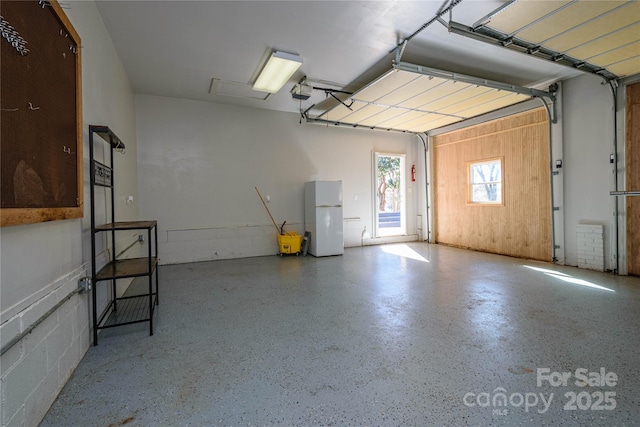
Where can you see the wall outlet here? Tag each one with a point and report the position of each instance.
(140, 237)
(84, 285)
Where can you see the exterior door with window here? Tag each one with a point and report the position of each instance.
(389, 197)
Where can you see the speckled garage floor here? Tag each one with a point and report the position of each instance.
(397, 335)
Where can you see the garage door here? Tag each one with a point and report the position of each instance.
(633, 178)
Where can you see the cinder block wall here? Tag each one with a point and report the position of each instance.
(590, 246)
(35, 369)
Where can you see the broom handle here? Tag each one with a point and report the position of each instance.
(265, 206)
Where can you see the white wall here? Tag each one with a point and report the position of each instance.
(185, 147)
(588, 176)
(199, 163)
(41, 263)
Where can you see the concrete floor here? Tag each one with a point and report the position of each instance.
(411, 335)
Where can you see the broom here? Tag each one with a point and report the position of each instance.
(265, 206)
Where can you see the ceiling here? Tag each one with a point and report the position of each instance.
(213, 50)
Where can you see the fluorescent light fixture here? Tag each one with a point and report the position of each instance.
(278, 70)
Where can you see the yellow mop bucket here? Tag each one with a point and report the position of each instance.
(289, 243)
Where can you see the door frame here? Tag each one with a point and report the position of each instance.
(403, 193)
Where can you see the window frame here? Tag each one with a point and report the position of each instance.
(470, 185)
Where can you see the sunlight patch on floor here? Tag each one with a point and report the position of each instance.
(404, 251)
(569, 279)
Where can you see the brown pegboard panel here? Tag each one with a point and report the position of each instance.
(41, 151)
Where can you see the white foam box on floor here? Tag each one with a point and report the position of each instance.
(590, 246)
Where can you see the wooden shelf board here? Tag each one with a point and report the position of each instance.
(132, 267)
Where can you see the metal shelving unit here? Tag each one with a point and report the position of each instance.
(127, 309)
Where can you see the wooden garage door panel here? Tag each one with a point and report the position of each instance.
(522, 226)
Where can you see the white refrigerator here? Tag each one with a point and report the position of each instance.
(323, 217)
